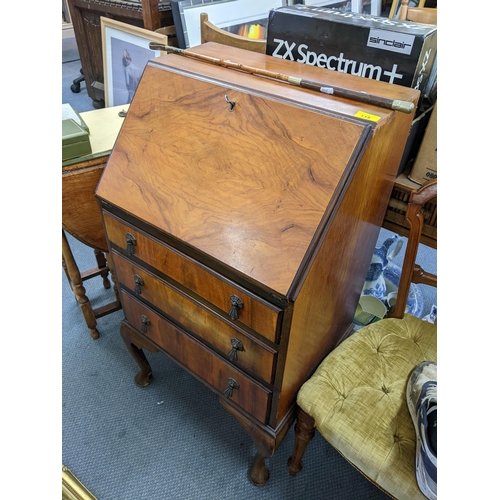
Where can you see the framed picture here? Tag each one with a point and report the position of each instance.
(125, 51)
(343, 5)
(396, 6)
(231, 15)
(372, 7)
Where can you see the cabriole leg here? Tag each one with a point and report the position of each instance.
(143, 378)
(259, 473)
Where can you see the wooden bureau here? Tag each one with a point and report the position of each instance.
(241, 214)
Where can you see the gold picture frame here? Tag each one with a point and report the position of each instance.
(72, 488)
(125, 53)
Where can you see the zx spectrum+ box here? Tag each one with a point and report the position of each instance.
(389, 50)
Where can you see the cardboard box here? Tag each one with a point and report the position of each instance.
(415, 137)
(389, 50)
(425, 167)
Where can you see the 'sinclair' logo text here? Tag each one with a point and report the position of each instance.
(391, 40)
(389, 43)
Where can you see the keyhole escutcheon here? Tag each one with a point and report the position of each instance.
(232, 104)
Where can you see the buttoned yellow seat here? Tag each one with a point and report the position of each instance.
(356, 398)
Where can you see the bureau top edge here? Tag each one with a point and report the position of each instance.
(275, 88)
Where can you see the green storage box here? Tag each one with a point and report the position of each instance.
(69, 111)
(75, 140)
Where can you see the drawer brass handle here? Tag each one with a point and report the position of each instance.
(236, 346)
(139, 282)
(236, 303)
(145, 324)
(232, 385)
(131, 243)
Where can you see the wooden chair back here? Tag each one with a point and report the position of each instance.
(411, 271)
(425, 15)
(210, 33)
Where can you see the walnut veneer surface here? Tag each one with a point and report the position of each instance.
(241, 234)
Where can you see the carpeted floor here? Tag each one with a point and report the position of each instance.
(172, 439)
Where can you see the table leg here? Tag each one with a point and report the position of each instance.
(113, 279)
(102, 264)
(78, 289)
(66, 272)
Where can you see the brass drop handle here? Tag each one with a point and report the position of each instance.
(139, 283)
(145, 324)
(236, 346)
(236, 303)
(232, 384)
(131, 243)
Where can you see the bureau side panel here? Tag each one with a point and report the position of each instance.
(326, 301)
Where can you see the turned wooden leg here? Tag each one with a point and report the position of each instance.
(65, 267)
(113, 279)
(304, 432)
(143, 377)
(102, 264)
(78, 289)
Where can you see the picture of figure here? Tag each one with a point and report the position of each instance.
(128, 63)
(132, 74)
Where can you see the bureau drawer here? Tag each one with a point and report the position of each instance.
(261, 316)
(206, 365)
(249, 353)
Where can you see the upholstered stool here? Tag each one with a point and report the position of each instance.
(357, 401)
